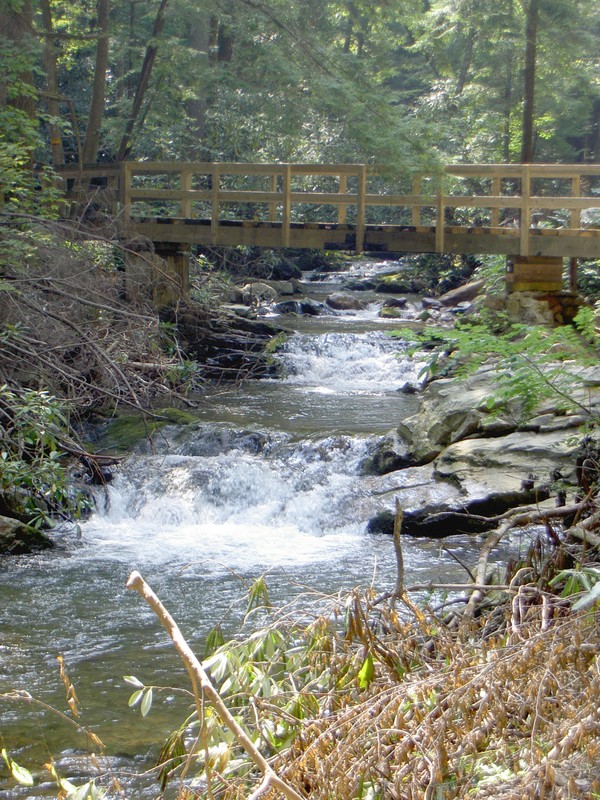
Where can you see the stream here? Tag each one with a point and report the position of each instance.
(267, 482)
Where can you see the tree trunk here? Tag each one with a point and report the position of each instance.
(197, 106)
(96, 113)
(56, 144)
(16, 27)
(531, 28)
(142, 87)
(466, 62)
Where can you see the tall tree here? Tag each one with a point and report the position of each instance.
(144, 80)
(56, 144)
(96, 112)
(529, 75)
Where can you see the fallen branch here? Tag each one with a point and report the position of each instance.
(198, 676)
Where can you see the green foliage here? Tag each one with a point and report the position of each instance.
(532, 363)
(33, 479)
(588, 278)
(20, 774)
(581, 584)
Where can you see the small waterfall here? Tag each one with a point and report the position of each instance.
(267, 481)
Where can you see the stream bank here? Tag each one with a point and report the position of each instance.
(273, 478)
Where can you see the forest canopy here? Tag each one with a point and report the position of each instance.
(395, 81)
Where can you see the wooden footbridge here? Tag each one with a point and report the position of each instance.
(529, 212)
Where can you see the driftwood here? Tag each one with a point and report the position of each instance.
(199, 677)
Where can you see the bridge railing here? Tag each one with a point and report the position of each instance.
(510, 199)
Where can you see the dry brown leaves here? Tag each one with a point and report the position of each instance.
(453, 715)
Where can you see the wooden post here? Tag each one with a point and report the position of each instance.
(215, 208)
(361, 209)
(495, 221)
(185, 183)
(125, 190)
(416, 209)
(573, 275)
(439, 221)
(525, 209)
(175, 279)
(273, 206)
(575, 221)
(287, 205)
(342, 207)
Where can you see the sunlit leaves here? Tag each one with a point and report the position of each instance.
(142, 697)
(20, 774)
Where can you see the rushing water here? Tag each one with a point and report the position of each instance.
(267, 482)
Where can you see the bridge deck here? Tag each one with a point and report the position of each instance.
(584, 243)
(515, 209)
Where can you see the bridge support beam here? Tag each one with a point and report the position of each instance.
(159, 277)
(534, 274)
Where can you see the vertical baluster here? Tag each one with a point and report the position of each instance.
(215, 208)
(342, 207)
(361, 208)
(185, 183)
(575, 221)
(125, 189)
(525, 209)
(287, 205)
(273, 205)
(416, 209)
(495, 221)
(439, 220)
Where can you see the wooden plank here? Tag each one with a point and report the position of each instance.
(321, 198)
(170, 194)
(537, 201)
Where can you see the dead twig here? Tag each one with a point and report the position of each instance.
(198, 675)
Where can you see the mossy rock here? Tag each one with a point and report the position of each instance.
(124, 432)
(399, 283)
(17, 538)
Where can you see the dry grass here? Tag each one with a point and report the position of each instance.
(452, 715)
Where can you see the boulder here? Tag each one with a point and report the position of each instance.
(387, 455)
(451, 410)
(397, 283)
(463, 294)
(304, 307)
(16, 538)
(430, 302)
(345, 302)
(482, 464)
(258, 291)
(387, 312)
(285, 270)
(283, 287)
(365, 285)
(395, 302)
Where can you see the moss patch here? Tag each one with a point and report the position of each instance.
(124, 432)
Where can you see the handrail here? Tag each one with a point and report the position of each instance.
(509, 187)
